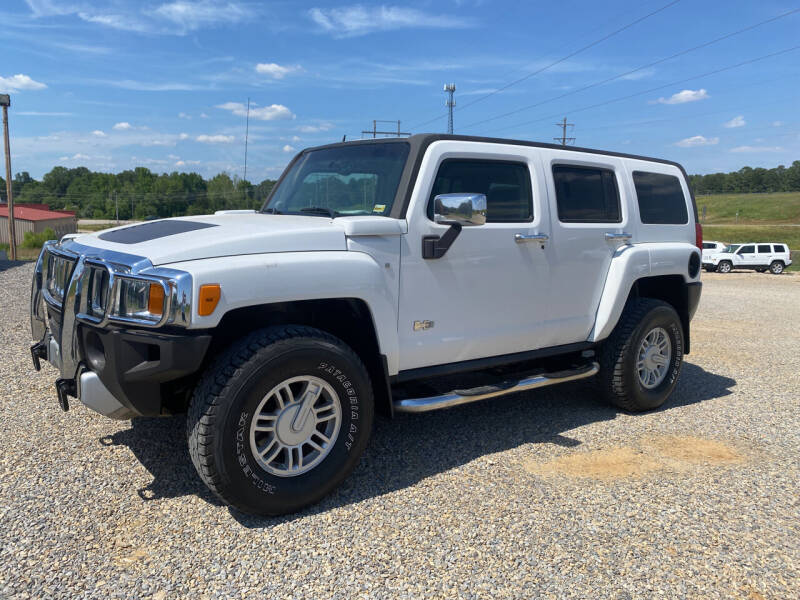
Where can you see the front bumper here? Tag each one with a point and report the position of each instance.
(117, 371)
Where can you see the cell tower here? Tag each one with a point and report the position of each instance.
(450, 88)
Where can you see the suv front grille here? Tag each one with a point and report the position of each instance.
(57, 272)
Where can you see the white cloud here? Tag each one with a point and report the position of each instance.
(172, 18)
(685, 96)
(735, 122)
(288, 148)
(19, 82)
(265, 113)
(190, 16)
(275, 70)
(122, 126)
(778, 123)
(295, 139)
(215, 139)
(98, 133)
(203, 116)
(77, 156)
(756, 149)
(183, 136)
(315, 128)
(360, 20)
(183, 115)
(36, 113)
(697, 140)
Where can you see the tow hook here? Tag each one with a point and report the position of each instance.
(38, 350)
(65, 388)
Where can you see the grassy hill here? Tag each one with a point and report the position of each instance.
(775, 208)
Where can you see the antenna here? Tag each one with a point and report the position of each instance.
(246, 135)
(450, 88)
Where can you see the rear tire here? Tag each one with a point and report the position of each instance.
(641, 359)
(244, 436)
(776, 267)
(725, 266)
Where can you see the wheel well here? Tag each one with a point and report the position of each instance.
(348, 319)
(671, 289)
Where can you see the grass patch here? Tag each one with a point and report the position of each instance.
(783, 207)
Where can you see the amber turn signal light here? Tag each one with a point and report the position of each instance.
(155, 303)
(208, 298)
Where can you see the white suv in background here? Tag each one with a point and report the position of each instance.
(756, 256)
(709, 249)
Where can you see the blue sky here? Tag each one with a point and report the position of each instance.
(121, 83)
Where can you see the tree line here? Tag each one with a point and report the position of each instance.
(142, 194)
(136, 194)
(749, 180)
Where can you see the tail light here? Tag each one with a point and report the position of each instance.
(698, 236)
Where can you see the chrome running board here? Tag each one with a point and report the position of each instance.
(457, 397)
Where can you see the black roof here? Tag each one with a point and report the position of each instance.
(424, 139)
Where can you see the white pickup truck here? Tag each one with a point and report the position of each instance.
(376, 273)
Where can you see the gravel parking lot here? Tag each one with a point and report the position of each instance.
(543, 494)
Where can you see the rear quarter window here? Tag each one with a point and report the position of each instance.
(661, 199)
(780, 248)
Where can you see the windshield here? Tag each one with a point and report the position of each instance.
(361, 179)
(731, 248)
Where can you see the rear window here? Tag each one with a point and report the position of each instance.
(661, 199)
(764, 249)
(586, 195)
(708, 246)
(780, 248)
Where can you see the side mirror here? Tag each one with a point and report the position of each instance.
(467, 210)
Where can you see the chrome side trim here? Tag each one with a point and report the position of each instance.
(94, 394)
(455, 398)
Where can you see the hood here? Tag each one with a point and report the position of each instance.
(191, 238)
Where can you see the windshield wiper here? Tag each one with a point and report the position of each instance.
(320, 210)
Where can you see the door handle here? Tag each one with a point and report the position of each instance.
(618, 237)
(522, 238)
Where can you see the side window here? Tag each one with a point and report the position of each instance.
(764, 249)
(779, 248)
(586, 195)
(747, 250)
(506, 185)
(708, 246)
(661, 199)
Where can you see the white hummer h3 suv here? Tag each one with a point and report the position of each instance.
(376, 274)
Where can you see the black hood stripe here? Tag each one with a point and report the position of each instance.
(151, 231)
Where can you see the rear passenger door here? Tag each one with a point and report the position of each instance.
(764, 254)
(589, 222)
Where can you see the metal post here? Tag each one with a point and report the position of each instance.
(450, 88)
(5, 101)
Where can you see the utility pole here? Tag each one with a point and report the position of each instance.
(375, 133)
(116, 206)
(246, 135)
(564, 139)
(450, 88)
(5, 102)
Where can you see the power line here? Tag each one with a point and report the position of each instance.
(627, 73)
(559, 61)
(660, 87)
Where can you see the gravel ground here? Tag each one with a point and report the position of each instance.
(545, 494)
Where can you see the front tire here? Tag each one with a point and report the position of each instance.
(724, 266)
(641, 359)
(280, 419)
(776, 267)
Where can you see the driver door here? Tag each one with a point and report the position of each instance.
(487, 294)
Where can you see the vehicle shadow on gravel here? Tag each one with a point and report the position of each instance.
(410, 448)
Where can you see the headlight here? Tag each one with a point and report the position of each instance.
(139, 299)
